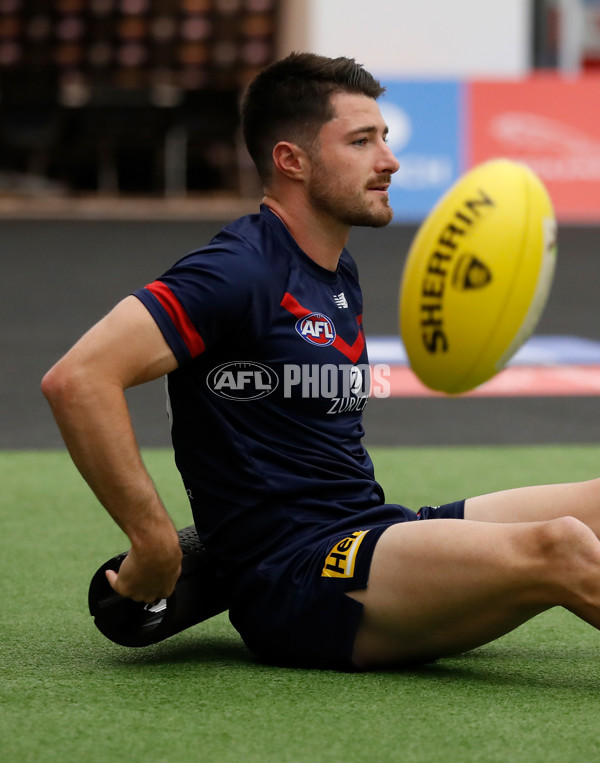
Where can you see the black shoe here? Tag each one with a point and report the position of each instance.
(198, 595)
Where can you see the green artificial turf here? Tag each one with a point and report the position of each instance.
(68, 694)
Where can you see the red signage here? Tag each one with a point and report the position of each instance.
(551, 123)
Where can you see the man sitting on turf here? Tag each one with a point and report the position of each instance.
(254, 332)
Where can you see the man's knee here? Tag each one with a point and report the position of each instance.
(569, 552)
(565, 535)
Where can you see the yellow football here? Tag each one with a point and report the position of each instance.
(477, 276)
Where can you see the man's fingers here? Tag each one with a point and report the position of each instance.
(115, 584)
(111, 576)
(120, 586)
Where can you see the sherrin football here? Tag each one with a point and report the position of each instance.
(477, 276)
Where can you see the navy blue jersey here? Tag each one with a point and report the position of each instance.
(266, 402)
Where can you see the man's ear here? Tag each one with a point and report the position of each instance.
(290, 160)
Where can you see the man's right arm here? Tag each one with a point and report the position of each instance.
(86, 391)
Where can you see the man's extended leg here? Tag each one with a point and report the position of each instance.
(533, 504)
(441, 587)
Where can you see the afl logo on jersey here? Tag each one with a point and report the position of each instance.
(317, 329)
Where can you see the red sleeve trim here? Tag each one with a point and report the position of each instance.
(172, 306)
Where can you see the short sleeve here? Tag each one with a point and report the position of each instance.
(209, 296)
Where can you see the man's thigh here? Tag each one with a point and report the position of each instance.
(539, 503)
(439, 588)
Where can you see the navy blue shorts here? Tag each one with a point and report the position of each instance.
(292, 609)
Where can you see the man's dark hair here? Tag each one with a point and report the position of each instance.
(291, 100)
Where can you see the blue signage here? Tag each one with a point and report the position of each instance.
(426, 125)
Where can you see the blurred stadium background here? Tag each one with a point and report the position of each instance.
(120, 151)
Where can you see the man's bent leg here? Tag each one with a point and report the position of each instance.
(442, 587)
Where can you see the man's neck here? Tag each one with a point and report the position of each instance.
(321, 238)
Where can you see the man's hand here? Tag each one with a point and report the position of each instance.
(147, 574)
